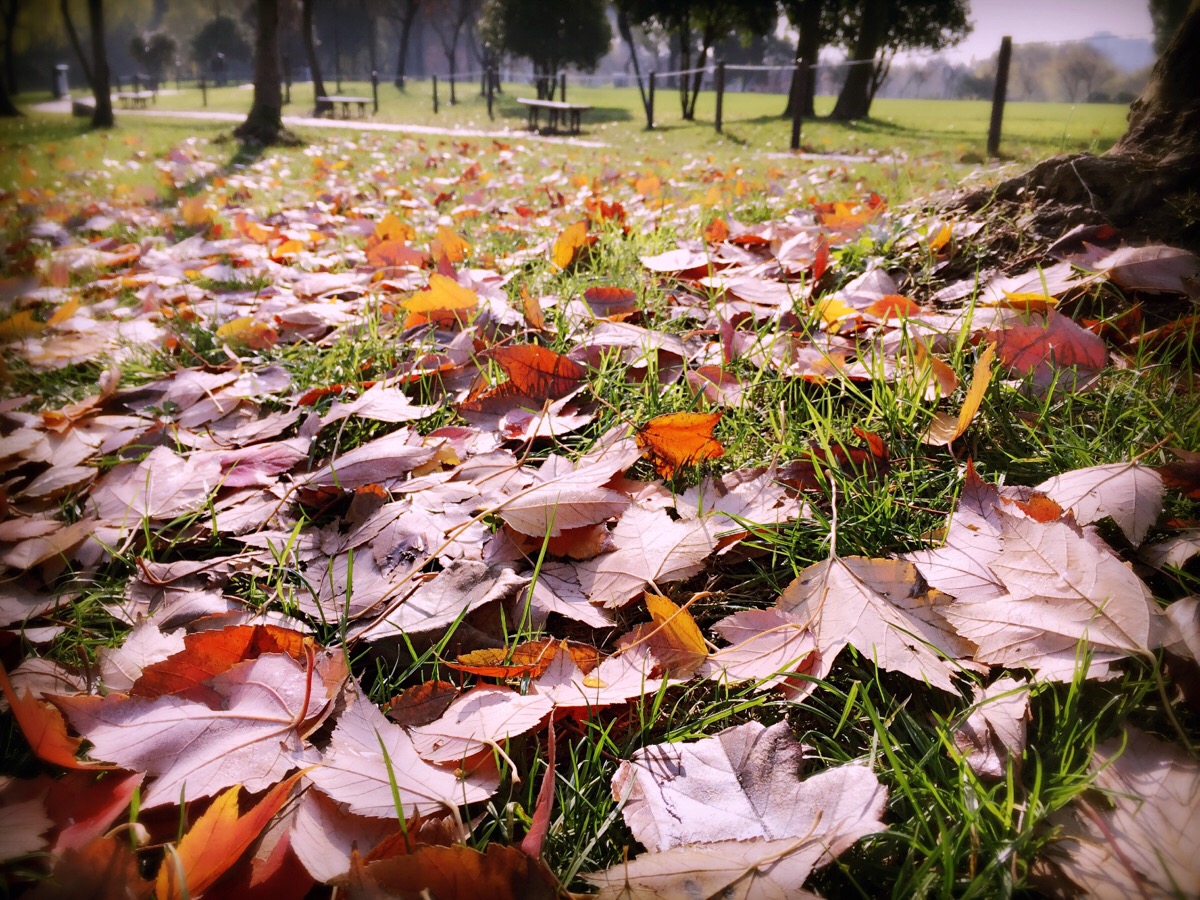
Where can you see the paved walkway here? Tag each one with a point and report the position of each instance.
(64, 106)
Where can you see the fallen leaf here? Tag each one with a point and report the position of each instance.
(568, 244)
(944, 430)
(993, 735)
(676, 440)
(1129, 493)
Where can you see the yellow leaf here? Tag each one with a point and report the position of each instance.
(648, 186)
(674, 637)
(1032, 301)
(245, 330)
(944, 429)
(195, 213)
(450, 244)
(832, 311)
(939, 240)
(392, 228)
(443, 293)
(19, 326)
(64, 312)
(567, 244)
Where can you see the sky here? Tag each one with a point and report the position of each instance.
(1048, 20)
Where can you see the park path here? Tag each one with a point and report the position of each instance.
(64, 106)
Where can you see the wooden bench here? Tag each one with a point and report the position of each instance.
(134, 99)
(329, 105)
(557, 112)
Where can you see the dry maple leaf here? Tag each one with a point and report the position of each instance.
(680, 439)
(764, 646)
(1142, 843)
(944, 429)
(497, 873)
(1064, 591)
(650, 548)
(994, 732)
(370, 760)
(538, 372)
(1129, 493)
(251, 736)
(565, 497)
(875, 606)
(476, 721)
(730, 815)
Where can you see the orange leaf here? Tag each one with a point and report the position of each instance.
(680, 439)
(105, 867)
(450, 244)
(716, 231)
(395, 252)
(611, 302)
(44, 728)
(532, 310)
(208, 653)
(1038, 507)
(246, 332)
(531, 658)
(455, 873)
(568, 244)
(393, 228)
(443, 293)
(195, 213)
(939, 240)
(217, 841)
(537, 372)
(893, 306)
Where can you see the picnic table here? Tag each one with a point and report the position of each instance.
(557, 112)
(329, 105)
(134, 99)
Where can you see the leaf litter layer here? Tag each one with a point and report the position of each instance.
(406, 512)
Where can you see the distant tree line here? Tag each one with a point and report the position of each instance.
(402, 38)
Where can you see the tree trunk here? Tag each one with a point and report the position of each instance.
(310, 50)
(685, 63)
(411, 8)
(626, 31)
(11, 11)
(102, 116)
(808, 48)
(1145, 185)
(77, 44)
(264, 122)
(8, 109)
(854, 101)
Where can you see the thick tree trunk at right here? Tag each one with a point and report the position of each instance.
(854, 101)
(102, 117)
(1145, 185)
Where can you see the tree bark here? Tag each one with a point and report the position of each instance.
(411, 8)
(77, 44)
(854, 101)
(8, 109)
(12, 10)
(1145, 185)
(310, 50)
(264, 122)
(626, 32)
(102, 116)
(808, 48)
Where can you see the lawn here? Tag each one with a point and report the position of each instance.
(559, 454)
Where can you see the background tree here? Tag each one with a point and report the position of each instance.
(264, 122)
(95, 68)
(696, 26)
(551, 34)
(10, 11)
(310, 49)
(878, 29)
(222, 34)
(1082, 68)
(816, 21)
(403, 14)
(153, 51)
(450, 22)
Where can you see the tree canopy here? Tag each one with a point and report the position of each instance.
(549, 33)
(221, 35)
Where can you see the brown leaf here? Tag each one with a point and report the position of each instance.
(456, 873)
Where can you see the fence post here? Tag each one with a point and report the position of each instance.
(720, 92)
(999, 92)
(435, 103)
(490, 74)
(562, 86)
(375, 89)
(203, 91)
(650, 104)
(800, 79)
